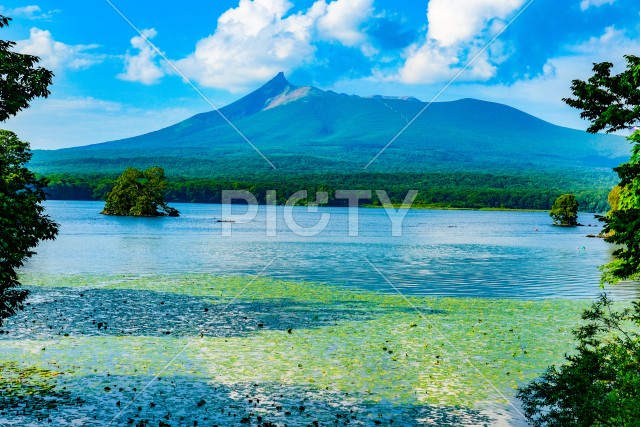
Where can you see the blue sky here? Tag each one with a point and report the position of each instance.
(110, 84)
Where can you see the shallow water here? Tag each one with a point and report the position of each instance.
(90, 350)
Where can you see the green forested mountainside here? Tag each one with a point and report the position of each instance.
(304, 129)
(446, 190)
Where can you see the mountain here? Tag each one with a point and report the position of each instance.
(305, 129)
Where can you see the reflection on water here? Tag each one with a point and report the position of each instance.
(452, 253)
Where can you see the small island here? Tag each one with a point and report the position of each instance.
(565, 211)
(139, 193)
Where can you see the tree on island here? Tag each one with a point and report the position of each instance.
(565, 210)
(599, 385)
(139, 193)
(22, 220)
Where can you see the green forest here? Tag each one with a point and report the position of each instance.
(462, 190)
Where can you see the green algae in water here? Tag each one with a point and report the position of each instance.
(366, 349)
(30, 389)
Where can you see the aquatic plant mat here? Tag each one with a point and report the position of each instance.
(202, 350)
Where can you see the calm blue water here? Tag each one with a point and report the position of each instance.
(444, 253)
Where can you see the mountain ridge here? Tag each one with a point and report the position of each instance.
(342, 133)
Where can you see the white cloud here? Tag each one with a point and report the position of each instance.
(610, 39)
(428, 63)
(343, 19)
(252, 43)
(452, 22)
(142, 66)
(258, 38)
(32, 12)
(458, 30)
(586, 4)
(74, 104)
(57, 55)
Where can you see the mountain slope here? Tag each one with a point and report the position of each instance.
(305, 129)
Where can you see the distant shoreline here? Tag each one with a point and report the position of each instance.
(444, 208)
(395, 206)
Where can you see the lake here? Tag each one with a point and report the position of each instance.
(168, 322)
(490, 254)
